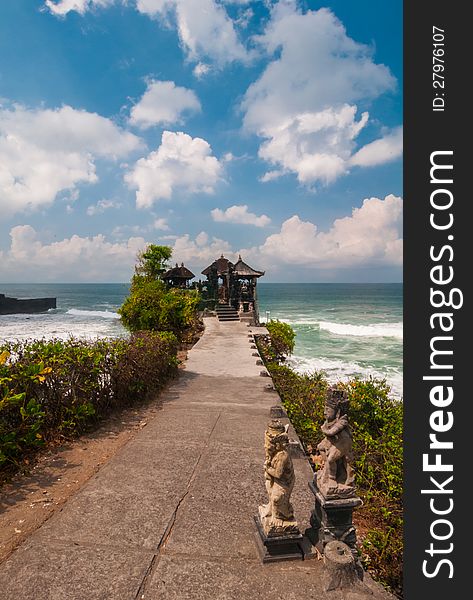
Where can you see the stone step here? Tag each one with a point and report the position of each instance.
(226, 312)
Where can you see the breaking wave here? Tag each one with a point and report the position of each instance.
(104, 314)
(376, 330)
(394, 330)
(338, 370)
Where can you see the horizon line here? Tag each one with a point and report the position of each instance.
(260, 283)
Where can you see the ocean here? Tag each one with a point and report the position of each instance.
(345, 330)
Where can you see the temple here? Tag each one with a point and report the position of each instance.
(178, 276)
(229, 289)
(232, 289)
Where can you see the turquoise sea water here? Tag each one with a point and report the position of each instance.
(344, 329)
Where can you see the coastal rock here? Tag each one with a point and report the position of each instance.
(11, 306)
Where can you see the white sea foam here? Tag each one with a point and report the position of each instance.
(104, 314)
(338, 370)
(375, 330)
(59, 326)
(394, 330)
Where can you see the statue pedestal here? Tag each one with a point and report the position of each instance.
(271, 548)
(332, 520)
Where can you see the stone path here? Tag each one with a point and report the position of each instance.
(170, 516)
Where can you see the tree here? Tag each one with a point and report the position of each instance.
(152, 262)
(282, 338)
(151, 305)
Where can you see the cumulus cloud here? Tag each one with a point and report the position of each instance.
(71, 259)
(163, 102)
(45, 151)
(201, 69)
(305, 103)
(124, 231)
(201, 251)
(370, 236)
(63, 7)
(161, 224)
(316, 146)
(380, 151)
(101, 207)
(204, 27)
(239, 214)
(180, 163)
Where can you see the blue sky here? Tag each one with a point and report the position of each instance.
(270, 128)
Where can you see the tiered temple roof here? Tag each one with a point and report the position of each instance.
(178, 273)
(241, 269)
(222, 265)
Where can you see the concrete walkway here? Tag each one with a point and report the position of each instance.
(170, 516)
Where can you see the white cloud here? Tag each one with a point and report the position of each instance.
(244, 18)
(71, 259)
(124, 231)
(102, 206)
(63, 7)
(239, 214)
(201, 69)
(201, 251)
(271, 175)
(163, 102)
(305, 103)
(180, 163)
(316, 146)
(205, 29)
(161, 224)
(370, 236)
(380, 151)
(43, 152)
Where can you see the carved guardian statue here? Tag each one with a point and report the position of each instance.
(277, 516)
(336, 477)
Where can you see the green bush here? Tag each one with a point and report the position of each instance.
(282, 338)
(376, 421)
(303, 398)
(51, 388)
(152, 262)
(153, 306)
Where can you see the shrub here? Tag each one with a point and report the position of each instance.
(377, 424)
(152, 306)
(303, 398)
(152, 262)
(282, 338)
(51, 388)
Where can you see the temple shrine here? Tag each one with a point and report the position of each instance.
(232, 288)
(178, 276)
(229, 289)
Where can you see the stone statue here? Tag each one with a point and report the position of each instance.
(277, 517)
(336, 477)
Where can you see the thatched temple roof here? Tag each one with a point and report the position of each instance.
(178, 272)
(241, 269)
(222, 265)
